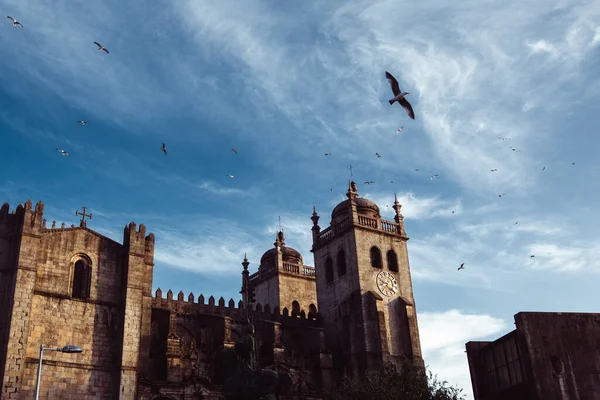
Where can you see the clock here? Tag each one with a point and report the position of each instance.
(386, 283)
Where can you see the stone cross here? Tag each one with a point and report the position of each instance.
(83, 215)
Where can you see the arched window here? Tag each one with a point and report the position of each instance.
(341, 263)
(295, 308)
(329, 270)
(376, 258)
(312, 311)
(82, 276)
(392, 261)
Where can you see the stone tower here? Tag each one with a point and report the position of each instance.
(282, 280)
(364, 288)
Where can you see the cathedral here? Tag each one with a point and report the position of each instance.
(351, 312)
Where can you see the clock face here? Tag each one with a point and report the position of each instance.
(386, 283)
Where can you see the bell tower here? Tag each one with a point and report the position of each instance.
(364, 287)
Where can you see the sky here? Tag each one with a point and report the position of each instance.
(286, 82)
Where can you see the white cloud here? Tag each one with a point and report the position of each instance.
(541, 46)
(564, 258)
(414, 207)
(443, 338)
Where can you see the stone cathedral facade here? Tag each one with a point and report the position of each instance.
(351, 312)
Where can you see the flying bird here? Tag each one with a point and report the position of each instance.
(369, 182)
(400, 129)
(500, 195)
(83, 122)
(516, 222)
(391, 181)
(493, 170)
(100, 47)
(399, 96)
(164, 149)
(502, 138)
(452, 212)
(543, 169)
(462, 266)
(378, 155)
(230, 176)
(327, 154)
(15, 22)
(512, 148)
(572, 163)
(434, 176)
(532, 256)
(64, 153)
(234, 150)
(417, 169)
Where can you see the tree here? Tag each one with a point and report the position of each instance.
(408, 383)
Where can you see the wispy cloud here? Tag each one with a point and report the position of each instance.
(443, 338)
(415, 207)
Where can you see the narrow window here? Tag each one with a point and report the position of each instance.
(329, 270)
(341, 263)
(376, 258)
(392, 261)
(81, 280)
(295, 308)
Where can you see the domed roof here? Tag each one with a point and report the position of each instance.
(363, 206)
(289, 255)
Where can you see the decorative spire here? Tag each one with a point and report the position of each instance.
(315, 217)
(245, 263)
(397, 206)
(173, 325)
(352, 190)
(279, 240)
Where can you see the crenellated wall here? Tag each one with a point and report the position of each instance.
(188, 305)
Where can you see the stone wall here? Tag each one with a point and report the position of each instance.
(297, 288)
(563, 353)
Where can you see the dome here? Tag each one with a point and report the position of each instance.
(363, 206)
(289, 255)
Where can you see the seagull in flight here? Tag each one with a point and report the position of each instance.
(83, 122)
(434, 176)
(516, 222)
(327, 154)
(543, 169)
(100, 47)
(400, 129)
(399, 96)
(462, 266)
(502, 138)
(417, 169)
(493, 170)
(532, 256)
(15, 22)
(64, 153)
(512, 148)
(234, 150)
(230, 176)
(369, 182)
(500, 195)
(164, 149)
(378, 155)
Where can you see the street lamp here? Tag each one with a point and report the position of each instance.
(66, 349)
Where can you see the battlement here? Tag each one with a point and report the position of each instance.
(138, 242)
(231, 309)
(27, 216)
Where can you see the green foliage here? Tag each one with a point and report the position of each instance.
(409, 383)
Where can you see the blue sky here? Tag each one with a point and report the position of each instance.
(286, 83)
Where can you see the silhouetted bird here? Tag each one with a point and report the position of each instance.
(399, 96)
(15, 22)
(164, 149)
(100, 47)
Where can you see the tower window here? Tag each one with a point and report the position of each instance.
(295, 308)
(376, 258)
(341, 263)
(329, 270)
(81, 280)
(392, 261)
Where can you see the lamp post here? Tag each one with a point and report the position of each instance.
(66, 349)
